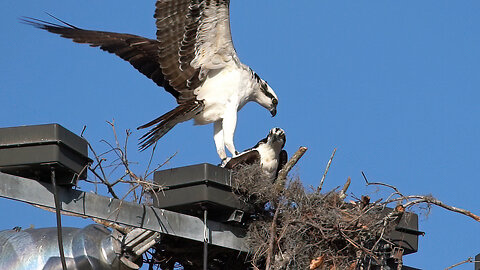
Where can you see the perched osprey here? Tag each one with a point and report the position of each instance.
(268, 152)
(193, 58)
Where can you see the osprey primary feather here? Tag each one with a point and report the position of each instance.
(193, 58)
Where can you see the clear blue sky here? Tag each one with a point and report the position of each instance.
(394, 85)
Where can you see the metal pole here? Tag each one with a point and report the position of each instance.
(59, 220)
(205, 240)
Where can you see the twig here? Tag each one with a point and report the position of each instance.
(431, 200)
(358, 246)
(122, 155)
(161, 165)
(397, 192)
(62, 211)
(83, 130)
(469, 260)
(104, 178)
(385, 185)
(272, 239)
(151, 159)
(326, 170)
(344, 189)
(113, 225)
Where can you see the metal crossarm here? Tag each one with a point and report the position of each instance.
(127, 213)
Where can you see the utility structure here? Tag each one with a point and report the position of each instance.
(39, 165)
(477, 262)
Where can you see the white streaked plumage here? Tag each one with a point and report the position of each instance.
(225, 92)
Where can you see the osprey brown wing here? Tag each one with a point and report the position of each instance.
(177, 24)
(247, 158)
(140, 52)
(282, 160)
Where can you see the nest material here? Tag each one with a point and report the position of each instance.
(313, 230)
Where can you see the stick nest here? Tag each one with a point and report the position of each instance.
(312, 230)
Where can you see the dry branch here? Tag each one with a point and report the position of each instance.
(102, 178)
(432, 200)
(113, 225)
(282, 174)
(117, 155)
(469, 260)
(272, 239)
(345, 188)
(326, 170)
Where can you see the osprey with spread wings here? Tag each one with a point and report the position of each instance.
(193, 58)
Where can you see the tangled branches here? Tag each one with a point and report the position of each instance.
(313, 225)
(298, 229)
(136, 186)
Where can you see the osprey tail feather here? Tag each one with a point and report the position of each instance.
(166, 122)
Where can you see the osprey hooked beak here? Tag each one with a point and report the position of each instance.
(273, 110)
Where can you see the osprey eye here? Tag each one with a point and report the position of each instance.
(275, 101)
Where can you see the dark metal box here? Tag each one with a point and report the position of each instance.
(194, 188)
(31, 151)
(406, 232)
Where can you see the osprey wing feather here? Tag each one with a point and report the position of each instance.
(140, 52)
(194, 38)
(176, 33)
(214, 47)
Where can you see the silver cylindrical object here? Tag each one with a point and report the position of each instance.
(92, 247)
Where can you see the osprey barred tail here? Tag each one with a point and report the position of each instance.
(268, 152)
(193, 58)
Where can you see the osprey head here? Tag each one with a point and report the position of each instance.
(265, 96)
(277, 136)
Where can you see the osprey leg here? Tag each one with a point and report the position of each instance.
(229, 124)
(218, 138)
